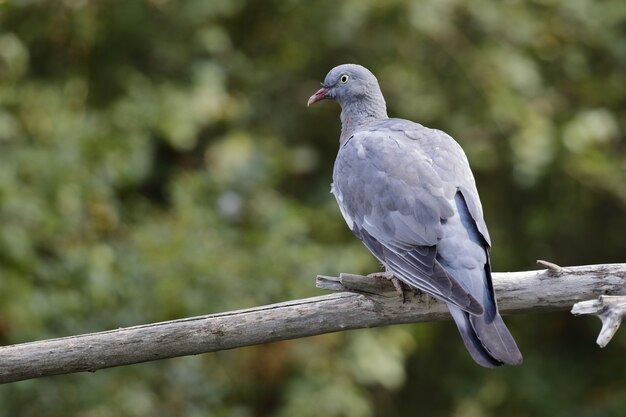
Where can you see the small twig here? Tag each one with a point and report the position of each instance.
(552, 267)
(360, 284)
(326, 282)
(609, 309)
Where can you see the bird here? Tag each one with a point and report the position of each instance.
(408, 193)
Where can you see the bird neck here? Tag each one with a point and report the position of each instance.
(356, 115)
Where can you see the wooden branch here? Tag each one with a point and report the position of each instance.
(609, 309)
(367, 302)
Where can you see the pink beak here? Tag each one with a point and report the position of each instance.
(319, 95)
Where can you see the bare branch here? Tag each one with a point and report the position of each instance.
(368, 302)
(609, 309)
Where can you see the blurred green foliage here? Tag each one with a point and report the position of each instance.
(157, 161)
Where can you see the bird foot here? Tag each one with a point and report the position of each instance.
(397, 284)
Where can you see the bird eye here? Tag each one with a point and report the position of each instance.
(344, 78)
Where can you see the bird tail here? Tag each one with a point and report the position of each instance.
(486, 338)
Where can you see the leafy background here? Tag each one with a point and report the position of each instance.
(157, 161)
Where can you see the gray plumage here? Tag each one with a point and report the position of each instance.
(408, 193)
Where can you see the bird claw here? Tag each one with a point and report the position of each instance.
(397, 284)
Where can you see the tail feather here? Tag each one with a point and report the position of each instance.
(489, 342)
(496, 339)
(474, 346)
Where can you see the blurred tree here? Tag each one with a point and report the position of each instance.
(157, 161)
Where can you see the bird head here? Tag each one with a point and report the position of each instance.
(345, 84)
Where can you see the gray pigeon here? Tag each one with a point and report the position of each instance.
(408, 193)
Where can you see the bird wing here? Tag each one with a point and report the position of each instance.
(450, 163)
(395, 183)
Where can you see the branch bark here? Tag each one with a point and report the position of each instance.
(363, 302)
